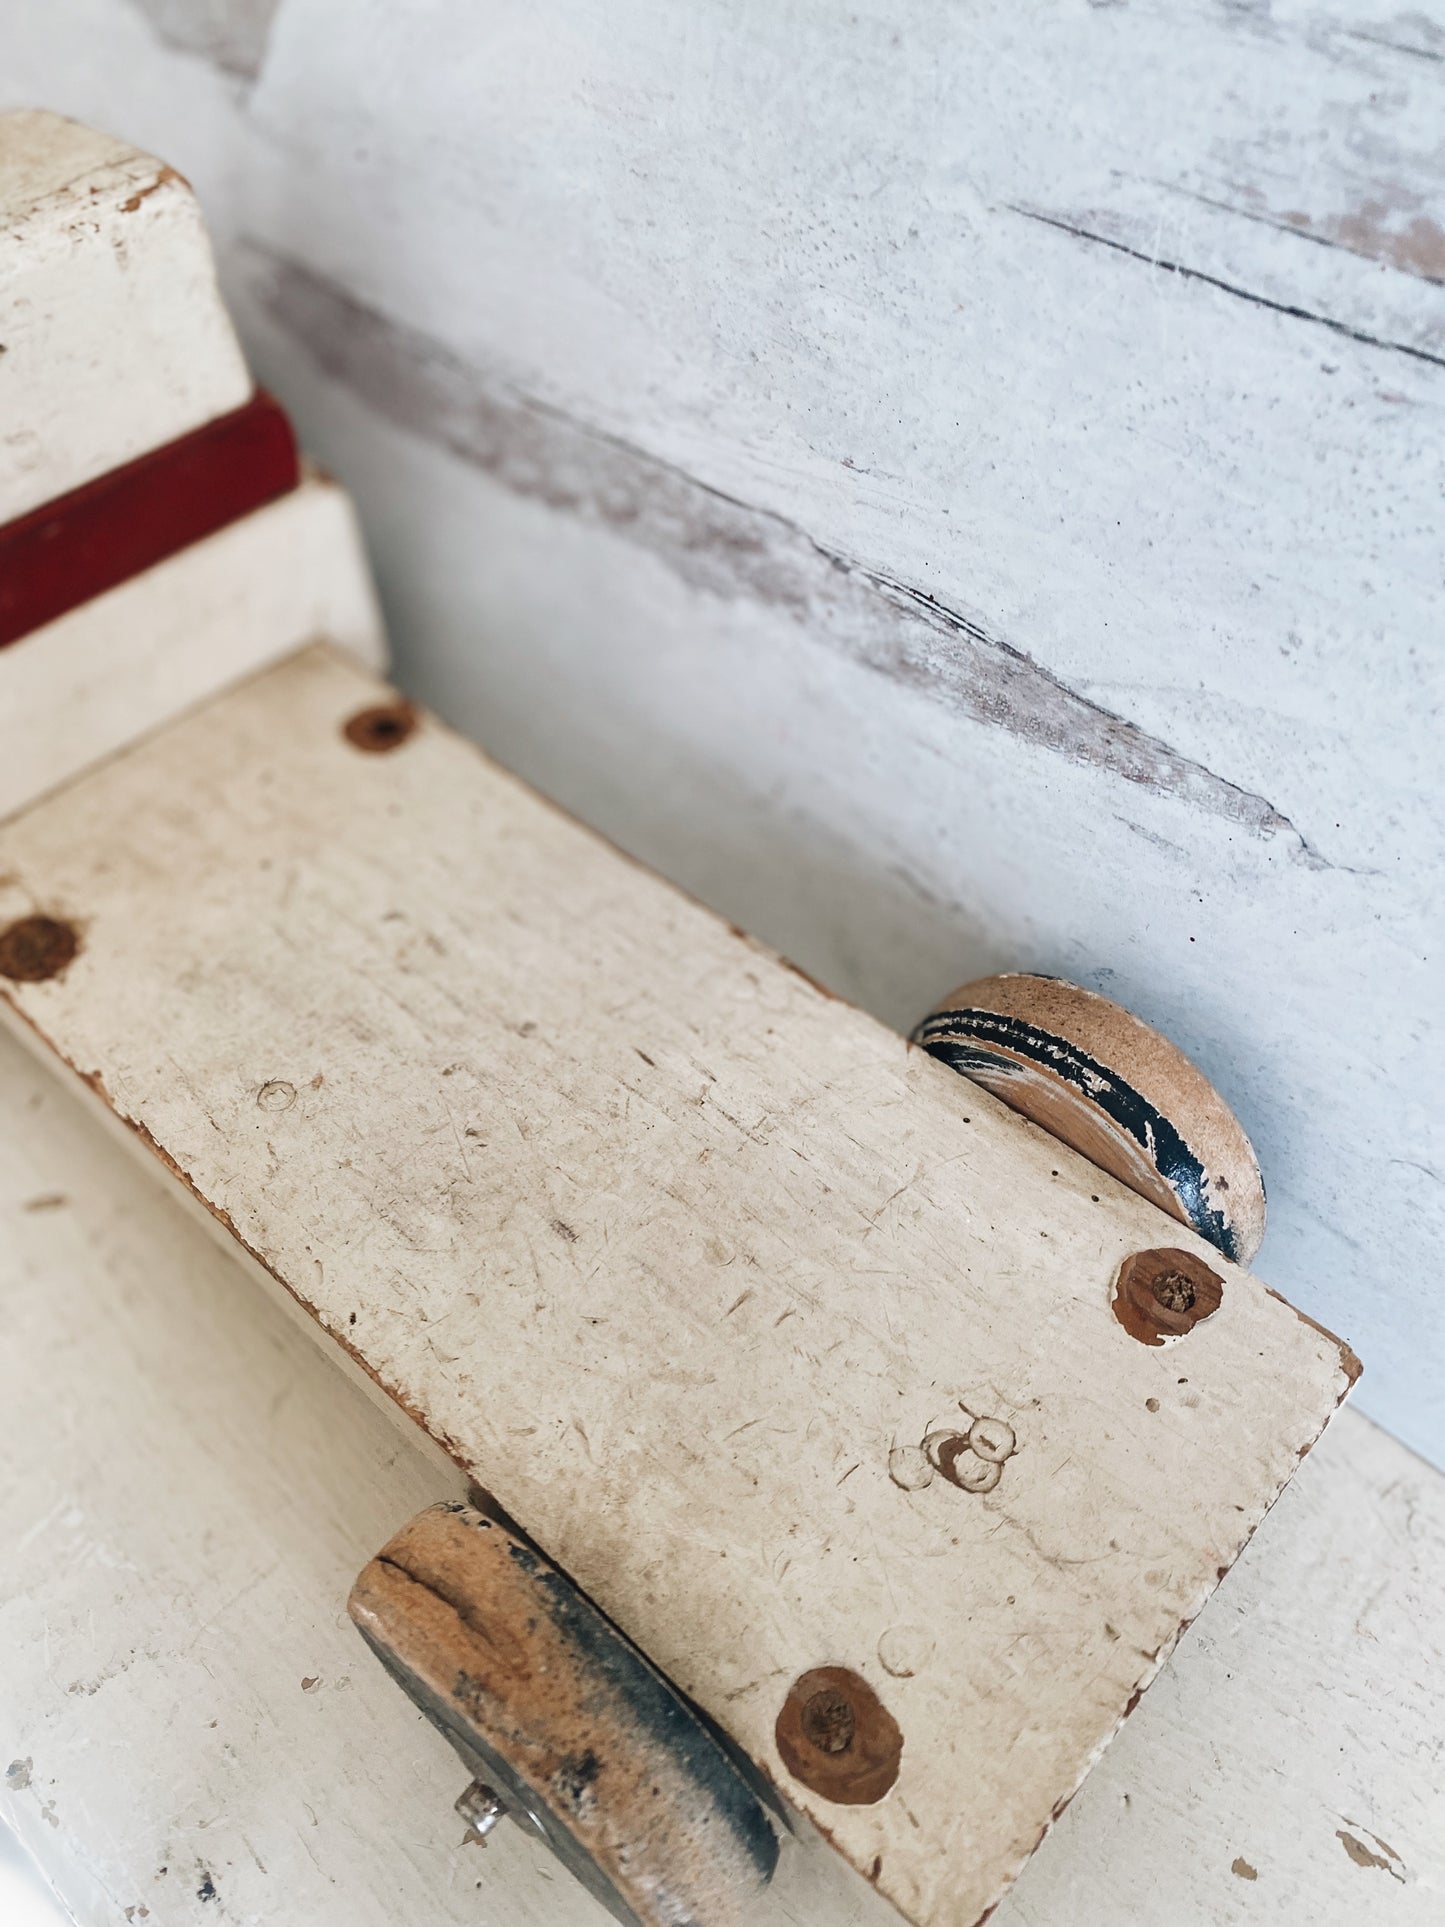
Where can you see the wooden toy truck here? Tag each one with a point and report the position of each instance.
(850, 1437)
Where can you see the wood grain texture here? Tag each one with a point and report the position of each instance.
(192, 1487)
(682, 1258)
(563, 1720)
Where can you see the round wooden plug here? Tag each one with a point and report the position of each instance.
(1112, 1088)
(563, 1723)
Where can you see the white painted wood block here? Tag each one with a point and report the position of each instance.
(125, 662)
(114, 344)
(191, 1487)
(114, 334)
(680, 1257)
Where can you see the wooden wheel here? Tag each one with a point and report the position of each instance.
(564, 1722)
(1112, 1088)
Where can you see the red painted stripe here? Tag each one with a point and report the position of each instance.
(108, 530)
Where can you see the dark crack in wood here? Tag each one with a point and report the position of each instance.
(725, 547)
(1287, 308)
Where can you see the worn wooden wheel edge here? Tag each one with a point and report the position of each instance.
(560, 1716)
(1114, 1089)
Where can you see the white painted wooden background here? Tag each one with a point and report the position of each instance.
(955, 485)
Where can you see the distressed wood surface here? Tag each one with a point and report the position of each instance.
(109, 671)
(562, 1720)
(683, 1259)
(114, 342)
(115, 339)
(191, 1488)
(980, 465)
(1149, 1118)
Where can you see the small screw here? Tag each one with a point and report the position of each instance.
(1164, 1294)
(481, 1809)
(829, 1720)
(36, 948)
(836, 1737)
(1174, 1292)
(384, 727)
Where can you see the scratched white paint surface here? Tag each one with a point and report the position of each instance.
(672, 1251)
(1115, 334)
(113, 336)
(191, 1487)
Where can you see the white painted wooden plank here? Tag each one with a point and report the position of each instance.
(115, 338)
(1287, 1767)
(193, 1486)
(669, 1248)
(86, 684)
(191, 1489)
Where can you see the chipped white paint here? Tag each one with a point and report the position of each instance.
(113, 333)
(1100, 345)
(84, 685)
(114, 341)
(191, 1488)
(667, 1247)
